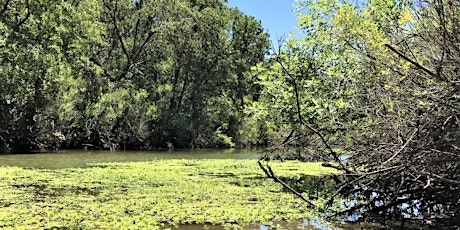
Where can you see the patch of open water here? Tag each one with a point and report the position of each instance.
(81, 158)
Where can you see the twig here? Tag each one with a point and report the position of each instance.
(446, 180)
(340, 167)
(402, 148)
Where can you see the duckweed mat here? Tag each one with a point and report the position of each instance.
(150, 195)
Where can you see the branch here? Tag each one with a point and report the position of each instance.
(5, 7)
(372, 58)
(348, 183)
(402, 148)
(350, 210)
(16, 28)
(456, 182)
(95, 62)
(338, 167)
(120, 38)
(301, 120)
(269, 172)
(123, 47)
(139, 50)
(411, 61)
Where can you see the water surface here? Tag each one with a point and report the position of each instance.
(81, 158)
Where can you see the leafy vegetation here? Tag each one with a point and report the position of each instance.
(150, 195)
(125, 74)
(376, 80)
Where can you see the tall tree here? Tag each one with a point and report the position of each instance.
(124, 74)
(37, 37)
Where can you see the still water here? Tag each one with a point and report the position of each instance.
(81, 158)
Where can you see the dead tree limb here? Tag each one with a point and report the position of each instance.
(416, 64)
(269, 172)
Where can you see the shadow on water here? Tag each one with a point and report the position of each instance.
(287, 225)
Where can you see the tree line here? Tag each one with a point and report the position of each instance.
(119, 74)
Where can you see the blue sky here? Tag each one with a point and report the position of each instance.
(277, 16)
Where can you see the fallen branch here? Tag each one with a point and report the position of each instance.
(269, 172)
(349, 183)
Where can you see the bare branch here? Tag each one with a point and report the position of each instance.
(411, 61)
(455, 182)
(269, 172)
(402, 148)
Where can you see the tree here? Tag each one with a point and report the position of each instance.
(247, 46)
(378, 81)
(36, 38)
(124, 74)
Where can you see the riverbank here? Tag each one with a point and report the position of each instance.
(150, 195)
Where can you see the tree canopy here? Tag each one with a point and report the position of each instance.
(125, 74)
(376, 81)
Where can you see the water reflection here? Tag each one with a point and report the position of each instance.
(280, 225)
(80, 158)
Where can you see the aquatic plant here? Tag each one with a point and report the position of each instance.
(151, 195)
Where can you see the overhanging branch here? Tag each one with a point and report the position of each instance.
(269, 172)
(416, 64)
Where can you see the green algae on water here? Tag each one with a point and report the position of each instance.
(150, 195)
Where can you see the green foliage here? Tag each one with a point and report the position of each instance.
(377, 80)
(224, 139)
(328, 78)
(134, 74)
(36, 39)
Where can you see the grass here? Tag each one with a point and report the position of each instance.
(150, 195)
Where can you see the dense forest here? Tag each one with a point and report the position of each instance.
(126, 74)
(377, 80)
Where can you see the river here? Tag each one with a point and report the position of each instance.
(81, 158)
